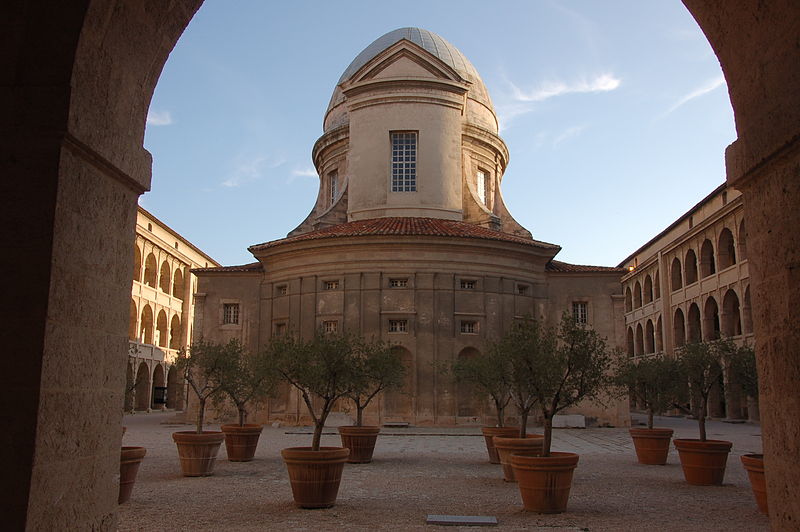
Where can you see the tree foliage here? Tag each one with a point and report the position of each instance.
(375, 366)
(653, 382)
(490, 374)
(246, 377)
(203, 366)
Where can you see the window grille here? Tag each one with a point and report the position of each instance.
(331, 285)
(404, 162)
(230, 313)
(469, 327)
(333, 178)
(398, 283)
(580, 312)
(467, 284)
(481, 186)
(522, 289)
(398, 326)
(330, 326)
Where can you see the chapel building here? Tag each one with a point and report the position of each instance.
(409, 240)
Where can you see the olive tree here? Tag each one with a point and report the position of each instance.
(490, 375)
(203, 366)
(654, 382)
(375, 366)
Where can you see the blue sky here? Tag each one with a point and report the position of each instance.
(615, 113)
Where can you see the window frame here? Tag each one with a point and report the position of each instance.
(468, 284)
(469, 327)
(330, 326)
(577, 307)
(331, 284)
(398, 282)
(398, 326)
(235, 314)
(403, 149)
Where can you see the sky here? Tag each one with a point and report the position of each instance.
(615, 113)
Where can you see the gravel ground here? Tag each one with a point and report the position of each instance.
(421, 471)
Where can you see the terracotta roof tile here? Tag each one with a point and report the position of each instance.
(563, 267)
(406, 226)
(251, 267)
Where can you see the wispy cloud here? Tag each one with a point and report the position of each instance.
(303, 172)
(158, 118)
(707, 87)
(551, 89)
(252, 169)
(568, 133)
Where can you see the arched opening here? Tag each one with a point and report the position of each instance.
(727, 249)
(649, 338)
(742, 242)
(161, 329)
(694, 324)
(468, 401)
(637, 295)
(675, 274)
(731, 317)
(678, 329)
(629, 343)
(691, 267)
(165, 278)
(142, 387)
(711, 319)
(174, 389)
(177, 284)
(150, 270)
(648, 289)
(657, 287)
(132, 328)
(398, 404)
(175, 339)
(137, 264)
(639, 348)
(659, 336)
(628, 299)
(747, 325)
(707, 264)
(158, 382)
(146, 325)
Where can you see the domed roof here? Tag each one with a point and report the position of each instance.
(430, 42)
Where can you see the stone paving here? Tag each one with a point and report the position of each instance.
(420, 471)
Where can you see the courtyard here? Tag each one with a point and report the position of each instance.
(418, 471)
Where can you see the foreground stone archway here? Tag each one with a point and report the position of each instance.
(77, 79)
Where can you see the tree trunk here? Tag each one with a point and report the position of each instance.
(501, 415)
(548, 434)
(523, 424)
(201, 412)
(359, 415)
(649, 418)
(242, 416)
(701, 419)
(318, 426)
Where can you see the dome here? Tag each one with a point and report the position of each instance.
(427, 40)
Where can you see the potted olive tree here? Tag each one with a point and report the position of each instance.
(376, 367)
(489, 374)
(247, 378)
(521, 347)
(321, 369)
(563, 374)
(702, 366)
(653, 383)
(203, 366)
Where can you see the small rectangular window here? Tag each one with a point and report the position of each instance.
(331, 326)
(468, 284)
(230, 313)
(404, 161)
(522, 289)
(282, 290)
(280, 329)
(480, 184)
(333, 177)
(580, 312)
(398, 326)
(691, 222)
(724, 197)
(469, 327)
(331, 285)
(398, 283)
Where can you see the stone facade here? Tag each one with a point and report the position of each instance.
(429, 260)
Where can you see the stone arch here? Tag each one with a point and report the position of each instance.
(637, 295)
(137, 263)
(693, 319)
(649, 338)
(399, 403)
(648, 289)
(690, 265)
(175, 337)
(659, 336)
(657, 285)
(629, 342)
(731, 316)
(162, 336)
(165, 277)
(142, 387)
(707, 263)
(711, 323)
(742, 242)
(178, 284)
(628, 299)
(747, 311)
(146, 325)
(678, 329)
(132, 322)
(150, 272)
(676, 282)
(639, 346)
(174, 389)
(159, 381)
(727, 249)
(468, 400)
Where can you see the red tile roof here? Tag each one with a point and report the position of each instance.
(563, 267)
(406, 226)
(251, 267)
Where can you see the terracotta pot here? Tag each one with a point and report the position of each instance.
(652, 445)
(531, 445)
(315, 475)
(754, 464)
(198, 452)
(703, 462)
(490, 432)
(130, 459)
(544, 481)
(241, 441)
(360, 441)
